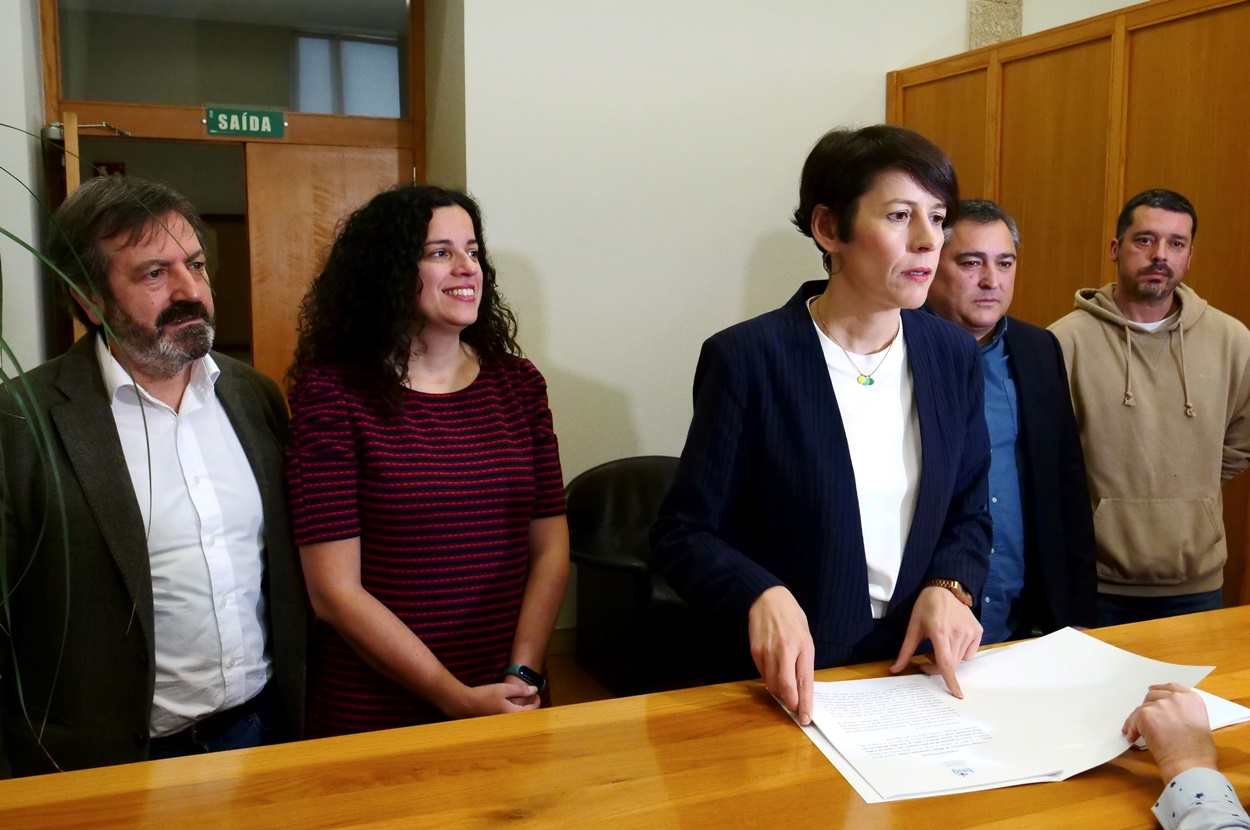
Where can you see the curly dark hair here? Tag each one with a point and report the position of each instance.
(358, 313)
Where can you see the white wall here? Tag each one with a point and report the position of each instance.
(637, 164)
(1047, 14)
(21, 105)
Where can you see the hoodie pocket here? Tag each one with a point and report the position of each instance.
(1158, 541)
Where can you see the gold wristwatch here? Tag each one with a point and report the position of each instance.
(952, 585)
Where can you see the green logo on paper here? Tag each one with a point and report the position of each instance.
(257, 123)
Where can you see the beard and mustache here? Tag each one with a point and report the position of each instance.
(1151, 290)
(155, 351)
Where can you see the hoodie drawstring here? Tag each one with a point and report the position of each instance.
(1179, 330)
(1190, 412)
(1128, 367)
(1100, 304)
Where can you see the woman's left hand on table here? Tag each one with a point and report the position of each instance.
(523, 697)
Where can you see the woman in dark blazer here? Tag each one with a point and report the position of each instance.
(832, 490)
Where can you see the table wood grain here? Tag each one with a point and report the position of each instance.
(718, 756)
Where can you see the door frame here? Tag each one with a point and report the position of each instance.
(178, 123)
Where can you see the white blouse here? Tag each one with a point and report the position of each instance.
(883, 433)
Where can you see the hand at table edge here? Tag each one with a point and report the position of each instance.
(782, 648)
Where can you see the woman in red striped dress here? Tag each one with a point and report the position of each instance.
(425, 479)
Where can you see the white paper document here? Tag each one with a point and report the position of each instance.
(1041, 710)
(1223, 712)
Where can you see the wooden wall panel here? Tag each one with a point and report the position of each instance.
(1189, 83)
(296, 195)
(939, 110)
(1055, 109)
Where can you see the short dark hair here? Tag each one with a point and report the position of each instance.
(985, 212)
(359, 312)
(102, 208)
(843, 165)
(1157, 198)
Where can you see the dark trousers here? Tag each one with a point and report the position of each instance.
(1114, 609)
(247, 725)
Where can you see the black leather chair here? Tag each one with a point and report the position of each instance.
(634, 633)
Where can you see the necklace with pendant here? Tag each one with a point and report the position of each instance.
(863, 378)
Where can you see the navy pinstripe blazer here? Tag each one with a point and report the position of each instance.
(765, 492)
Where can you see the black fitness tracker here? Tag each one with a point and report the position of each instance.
(527, 674)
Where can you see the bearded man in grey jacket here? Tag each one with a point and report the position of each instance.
(153, 602)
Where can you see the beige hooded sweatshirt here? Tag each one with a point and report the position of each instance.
(1164, 419)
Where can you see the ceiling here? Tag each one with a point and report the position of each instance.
(375, 17)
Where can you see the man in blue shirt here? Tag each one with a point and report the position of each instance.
(1042, 560)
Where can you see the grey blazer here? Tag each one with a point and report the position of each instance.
(77, 647)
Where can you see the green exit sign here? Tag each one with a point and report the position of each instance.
(255, 123)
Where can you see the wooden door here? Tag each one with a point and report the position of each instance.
(296, 196)
(941, 110)
(1053, 162)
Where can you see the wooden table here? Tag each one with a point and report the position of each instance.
(719, 756)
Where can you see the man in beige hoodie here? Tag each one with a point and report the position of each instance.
(1161, 388)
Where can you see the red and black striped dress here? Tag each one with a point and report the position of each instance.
(441, 495)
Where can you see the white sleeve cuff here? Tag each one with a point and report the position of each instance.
(1200, 799)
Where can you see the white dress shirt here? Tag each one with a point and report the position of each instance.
(883, 434)
(204, 523)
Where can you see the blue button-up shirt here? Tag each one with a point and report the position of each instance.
(1005, 581)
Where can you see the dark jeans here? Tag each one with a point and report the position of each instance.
(1118, 610)
(253, 727)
